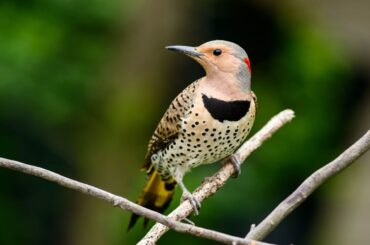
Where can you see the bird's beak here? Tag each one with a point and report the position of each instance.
(190, 51)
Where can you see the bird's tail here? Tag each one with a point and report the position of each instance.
(157, 195)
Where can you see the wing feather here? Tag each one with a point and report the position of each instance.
(169, 126)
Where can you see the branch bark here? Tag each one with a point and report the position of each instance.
(212, 184)
(209, 187)
(124, 203)
(343, 161)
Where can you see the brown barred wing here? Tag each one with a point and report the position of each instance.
(169, 126)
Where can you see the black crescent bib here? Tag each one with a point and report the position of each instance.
(226, 110)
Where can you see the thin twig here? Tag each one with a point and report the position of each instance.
(212, 184)
(308, 186)
(123, 203)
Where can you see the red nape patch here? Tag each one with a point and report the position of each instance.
(246, 60)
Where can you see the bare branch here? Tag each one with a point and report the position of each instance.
(123, 203)
(212, 184)
(308, 186)
(209, 187)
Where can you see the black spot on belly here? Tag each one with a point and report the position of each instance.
(226, 110)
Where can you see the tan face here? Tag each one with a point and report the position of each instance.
(218, 57)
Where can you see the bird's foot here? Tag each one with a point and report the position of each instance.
(186, 195)
(236, 164)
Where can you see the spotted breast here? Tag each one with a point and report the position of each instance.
(211, 131)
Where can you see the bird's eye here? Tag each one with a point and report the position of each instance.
(217, 52)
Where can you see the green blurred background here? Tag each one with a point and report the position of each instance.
(84, 83)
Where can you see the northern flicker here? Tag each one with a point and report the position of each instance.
(205, 123)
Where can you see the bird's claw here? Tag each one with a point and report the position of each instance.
(193, 201)
(236, 164)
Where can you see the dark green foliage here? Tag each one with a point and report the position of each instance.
(63, 107)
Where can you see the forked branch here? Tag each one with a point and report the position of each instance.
(209, 187)
(212, 184)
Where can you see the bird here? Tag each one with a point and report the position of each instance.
(204, 124)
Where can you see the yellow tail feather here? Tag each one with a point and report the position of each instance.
(157, 195)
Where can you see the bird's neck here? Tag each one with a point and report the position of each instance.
(226, 86)
(239, 77)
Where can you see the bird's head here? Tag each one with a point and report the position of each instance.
(220, 58)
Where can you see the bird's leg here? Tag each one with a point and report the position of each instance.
(236, 164)
(186, 195)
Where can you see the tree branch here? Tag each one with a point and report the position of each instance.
(209, 187)
(348, 157)
(124, 203)
(212, 184)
